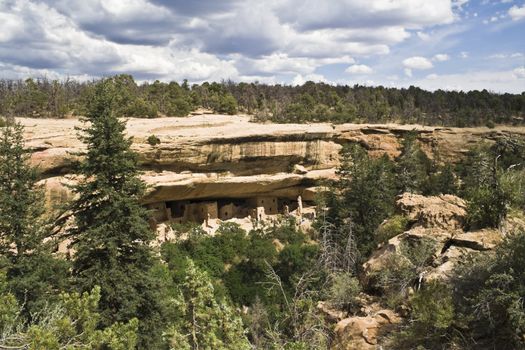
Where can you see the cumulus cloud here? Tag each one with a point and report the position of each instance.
(275, 41)
(517, 13)
(359, 69)
(519, 72)
(417, 62)
(440, 57)
(493, 80)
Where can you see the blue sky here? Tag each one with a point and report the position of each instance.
(438, 44)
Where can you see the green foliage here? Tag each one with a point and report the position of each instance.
(153, 140)
(20, 199)
(489, 295)
(343, 290)
(32, 271)
(238, 265)
(487, 206)
(280, 103)
(366, 205)
(487, 199)
(227, 104)
(204, 322)
(392, 227)
(412, 166)
(402, 269)
(442, 180)
(431, 318)
(70, 323)
(111, 231)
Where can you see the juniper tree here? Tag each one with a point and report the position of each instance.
(32, 271)
(111, 232)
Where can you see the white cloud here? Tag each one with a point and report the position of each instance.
(417, 62)
(517, 13)
(423, 36)
(463, 54)
(359, 69)
(519, 72)
(503, 55)
(300, 79)
(440, 57)
(408, 72)
(432, 76)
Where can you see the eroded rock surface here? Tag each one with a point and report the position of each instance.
(362, 332)
(440, 219)
(230, 154)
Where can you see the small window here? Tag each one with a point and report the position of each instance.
(274, 200)
(262, 201)
(226, 214)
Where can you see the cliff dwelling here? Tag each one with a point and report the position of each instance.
(259, 208)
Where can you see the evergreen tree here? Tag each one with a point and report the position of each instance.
(412, 165)
(111, 232)
(32, 271)
(204, 322)
(487, 200)
(70, 323)
(367, 193)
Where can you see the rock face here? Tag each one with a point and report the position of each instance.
(439, 218)
(362, 332)
(445, 211)
(230, 154)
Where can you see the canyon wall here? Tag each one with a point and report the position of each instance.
(218, 156)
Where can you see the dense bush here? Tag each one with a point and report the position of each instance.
(489, 295)
(153, 140)
(392, 227)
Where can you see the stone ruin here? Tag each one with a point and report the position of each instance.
(258, 208)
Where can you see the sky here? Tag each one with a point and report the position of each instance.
(433, 44)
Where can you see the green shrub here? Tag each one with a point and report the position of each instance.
(402, 269)
(489, 292)
(486, 206)
(431, 317)
(343, 290)
(3, 122)
(140, 108)
(432, 307)
(392, 227)
(153, 140)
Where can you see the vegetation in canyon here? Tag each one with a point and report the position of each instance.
(260, 289)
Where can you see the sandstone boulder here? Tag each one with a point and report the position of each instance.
(445, 211)
(485, 239)
(362, 332)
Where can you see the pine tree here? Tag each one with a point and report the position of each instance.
(111, 232)
(32, 271)
(204, 322)
(412, 166)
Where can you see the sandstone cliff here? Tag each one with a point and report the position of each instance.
(213, 155)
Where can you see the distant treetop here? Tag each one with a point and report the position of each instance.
(310, 102)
